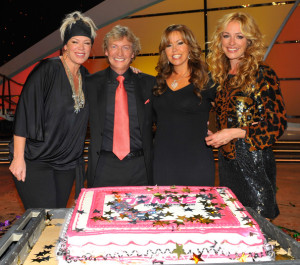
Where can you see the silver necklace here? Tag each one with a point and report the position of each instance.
(79, 99)
(174, 84)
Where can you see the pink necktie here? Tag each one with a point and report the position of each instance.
(121, 138)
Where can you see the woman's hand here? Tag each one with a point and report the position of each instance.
(18, 168)
(209, 132)
(224, 136)
(135, 70)
(18, 165)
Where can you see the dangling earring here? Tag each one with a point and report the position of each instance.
(66, 53)
(189, 57)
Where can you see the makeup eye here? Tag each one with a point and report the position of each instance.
(168, 46)
(240, 37)
(225, 36)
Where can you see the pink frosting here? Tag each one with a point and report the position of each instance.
(129, 195)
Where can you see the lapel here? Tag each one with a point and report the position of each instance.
(101, 100)
(139, 89)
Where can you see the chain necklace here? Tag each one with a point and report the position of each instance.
(79, 99)
(174, 83)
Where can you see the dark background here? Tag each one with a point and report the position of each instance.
(24, 23)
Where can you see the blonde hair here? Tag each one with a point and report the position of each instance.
(118, 32)
(198, 69)
(219, 64)
(72, 18)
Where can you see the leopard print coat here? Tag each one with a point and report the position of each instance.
(261, 114)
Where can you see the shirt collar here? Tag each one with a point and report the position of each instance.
(127, 75)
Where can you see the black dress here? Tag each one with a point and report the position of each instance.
(181, 156)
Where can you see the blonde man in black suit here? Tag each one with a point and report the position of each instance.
(105, 168)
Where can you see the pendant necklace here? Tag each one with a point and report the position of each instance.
(79, 99)
(174, 83)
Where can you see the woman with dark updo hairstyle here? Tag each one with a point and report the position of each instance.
(51, 121)
(182, 102)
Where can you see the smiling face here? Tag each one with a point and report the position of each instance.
(177, 50)
(234, 43)
(119, 54)
(78, 49)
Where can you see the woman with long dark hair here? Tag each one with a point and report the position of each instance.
(181, 104)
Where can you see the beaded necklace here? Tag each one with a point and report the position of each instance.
(79, 99)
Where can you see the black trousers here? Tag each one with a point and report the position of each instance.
(44, 186)
(114, 172)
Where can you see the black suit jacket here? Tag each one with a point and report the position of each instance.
(97, 89)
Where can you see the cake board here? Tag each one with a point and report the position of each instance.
(16, 245)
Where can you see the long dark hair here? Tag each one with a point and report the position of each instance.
(198, 69)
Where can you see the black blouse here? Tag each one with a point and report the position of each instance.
(45, 116)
